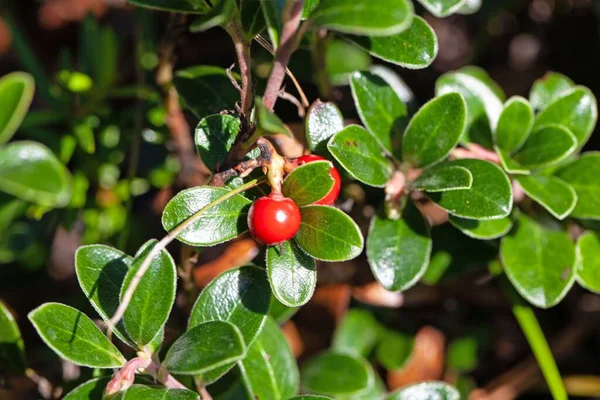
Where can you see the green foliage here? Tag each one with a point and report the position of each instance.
(183, 6)
(442, 178)
(357, 334)
(323, 120)
(424, 391)
(16, 91)
(12, 348)
(582, 175)
(292, 274)
(308, 183)
(588, 263)
(214, 137)
(336, 374)
(142, 392)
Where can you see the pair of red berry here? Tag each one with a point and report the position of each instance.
(273, 219)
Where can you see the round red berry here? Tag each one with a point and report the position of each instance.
(273, 219)
(333, 194)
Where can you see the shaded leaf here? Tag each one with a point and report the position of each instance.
(556, 196)
(514, 125)
(426, 391)
(336, 374)
(214, 137)
(220, 14)
(143, 392)
(394, 350)
(442, 8)
(273, 13)
(510, 165)
(546, 145)
(357, 334)
(90, 390)
(323, 120)
(182, 6)
(441, 178)
(548, 89)
(16, 92)
(267, 121)
(292, 274)
(309, 183)
(588, 262)
(12, 357)
(342, 58)
(483, 230)
(253, 20)
(582, 175)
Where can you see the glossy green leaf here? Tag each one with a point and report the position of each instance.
(434, 130)
(253, 20)
(100, 271)
(548, 89)
(267, 121)
(143, 392)
(425, 391)
(10, 209)
(399, 250)
(482, 230)
(540, 262)
(442, 8)
(363, 17)
(490, 196)
(292, 274)
(309, 183)
(206, 90)
(219, 223)
(147, 312)
(220, 14)
(214, 137)
(323, 120)
(514, 125)
(556, 196)
(582, 175)
(420, 53)
(360, 154)
(182, 6)
(269, 370)
(588, 262)
(442, 177)
(310, 397)
(31, 172)
(16, 92)
(357, 334)
(576, 110)
(90, 390)
(280, 312)
(336, 375)
(328, 234)
(273, 14)
(74, 337)
(376, 391)
(12, 357)
(470, 7)
(510, 165)
(342, 58)
(394, 350)
(546, 145)
(205, 347)
(378, 105)
(481, 74)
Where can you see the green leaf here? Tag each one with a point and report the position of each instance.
(309, 183)
(219, 223)
(399, 250)
(442, 8)
(342, 58)
(548, 89)
(310, 397)
(394, 350)
(480, 74)
(414, 48)
(267, 121)
(490, 196)
(205, 347)
(426, 391)
(539, 262)
(588, 262)
(280, 312)
(582, 175)
(510, 165)
(10, 209)
(182, 6)
(363, 17)
(292, 274)
(357, 334)
(253, 20)
(309, 6)
(336, 375)
(576, 110)
(556, 196)
(323, 120)
(328, 234)
(514, 125)
(482, 230)
(147, 312)
(90, 390)
(74, 337)
(441, 178)
(16, 92)
(12, 356)
(31, 172)
(221, 13)
(273, 13)
(143, 392)
(269, 370)
(214, 137)
(462, 354)
(100, 271)
(434, 130)
(360, 154)
(470, 7)
(378, 105)
(206, 90)
(546, 145)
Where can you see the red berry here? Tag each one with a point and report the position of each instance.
(333, 194)
(273, 219)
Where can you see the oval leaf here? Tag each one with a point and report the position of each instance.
(539, 262)
(514, 125)
(588, 262)
(360, 154)
(31, 172)
(490, 196)
(582, 175)
(323, 120)
(548, 89)
(74, 337)
(442, 177)
(510, 165)
(292, 274)
(357, 334)
(147, 312)
(12, 356)
(364, 17)
(269, 370)
(434, 130)
(309, 183)
(399, 250)
(482, 230)
(16, 92)
(336, 374)
(328, 234)
(426, 391)
(220, 14)
(442, 8)
(182, 6)
(545, 146)
(214, 137)
(310, 397)
(219, 222)
(90, 390)
(267, 121)
(143, 392)
(556, 196)
(205, 347)
(394, 350)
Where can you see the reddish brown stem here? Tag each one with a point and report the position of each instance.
(126, 376)
(242, 50)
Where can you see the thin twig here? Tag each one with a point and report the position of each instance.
(242, 50)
